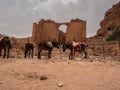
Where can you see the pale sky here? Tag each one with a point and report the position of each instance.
(17, 16)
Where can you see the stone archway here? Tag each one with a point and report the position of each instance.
(73, 30)
(63, 28)
(62, 33)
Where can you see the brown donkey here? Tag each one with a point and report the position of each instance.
(5, 44)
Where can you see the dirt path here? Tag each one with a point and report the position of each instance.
(24, 74)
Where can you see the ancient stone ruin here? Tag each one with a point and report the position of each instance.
(49, 30)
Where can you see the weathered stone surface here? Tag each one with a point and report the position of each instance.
(76, 31)
(44, 30)
(112, 15)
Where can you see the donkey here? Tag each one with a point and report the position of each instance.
(6, 45)
(47, 45)
(79, 46)
(29, 48)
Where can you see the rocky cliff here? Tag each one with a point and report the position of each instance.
(112, 15)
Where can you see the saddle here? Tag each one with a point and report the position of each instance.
(49, 44)
(76, 44)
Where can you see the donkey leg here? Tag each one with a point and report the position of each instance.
(8, 51)
(25, 54)
(29, 52)
(4, 52)
(50, 55)
(32, 54)
(39, 54)
(85, 54)
(0, 51)
(71, 55)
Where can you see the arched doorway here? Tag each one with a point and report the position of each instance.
(63, 28)
(62, 33)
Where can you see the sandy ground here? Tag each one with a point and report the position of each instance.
(61, 74)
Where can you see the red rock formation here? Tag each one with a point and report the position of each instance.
(112, 15)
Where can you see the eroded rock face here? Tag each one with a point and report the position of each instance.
(112, 15)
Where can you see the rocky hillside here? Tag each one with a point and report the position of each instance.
(112, 15)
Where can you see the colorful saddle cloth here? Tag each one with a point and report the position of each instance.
(76, 44)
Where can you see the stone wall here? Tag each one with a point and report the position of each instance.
(97, 43)
(49, 31)
(44, 30)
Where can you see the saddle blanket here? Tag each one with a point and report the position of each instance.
(49, 44)
(76, 44)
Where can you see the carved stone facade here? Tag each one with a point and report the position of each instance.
(49, 30)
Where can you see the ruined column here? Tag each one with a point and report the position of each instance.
(34, 32)
(49, 31)
(76, 30)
